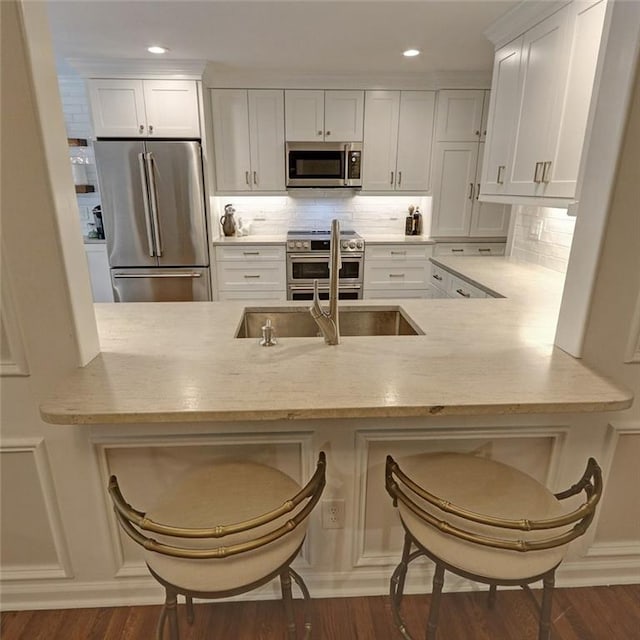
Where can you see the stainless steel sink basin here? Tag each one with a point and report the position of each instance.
(296, 322)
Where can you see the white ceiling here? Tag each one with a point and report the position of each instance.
(313, 36)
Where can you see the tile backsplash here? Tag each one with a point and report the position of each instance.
(314, 209)
(543, 236)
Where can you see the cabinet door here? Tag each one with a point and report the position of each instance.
(343, 116)
(266, 135)
(382, 109)
(415, 135)
(454, 187)
(485, 116)
(488, 219)
(172, 108)
(544, 63)
(231, 139)
(117, 108)
(502, 115)
(567, 143)
(459, 116)
(99, 272)
(304, 115)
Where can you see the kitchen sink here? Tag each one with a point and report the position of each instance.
(296, 322)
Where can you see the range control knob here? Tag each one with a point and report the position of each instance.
(344, 244)
(359, 244)
(298, 244)
(352, 244)
(305, 244)
(291, 244)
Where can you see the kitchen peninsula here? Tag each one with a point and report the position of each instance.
(493, 356)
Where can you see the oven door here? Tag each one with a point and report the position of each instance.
(304, 268)
(304, 292)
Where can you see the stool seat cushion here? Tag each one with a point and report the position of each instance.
(489, 488)
(222, 494)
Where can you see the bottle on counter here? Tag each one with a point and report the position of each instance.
(408, 222)
(417, 222)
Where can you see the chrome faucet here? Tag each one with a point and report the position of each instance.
(328, 322)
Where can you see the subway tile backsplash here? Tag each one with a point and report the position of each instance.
(543, 236)
(314, 209)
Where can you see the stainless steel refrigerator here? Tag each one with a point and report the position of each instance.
(153, 211)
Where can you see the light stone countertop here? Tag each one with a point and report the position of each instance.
(180, 362)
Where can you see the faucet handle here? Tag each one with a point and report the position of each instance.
(268, 337)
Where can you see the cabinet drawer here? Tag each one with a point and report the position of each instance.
(265, 276)
(250, 253)
(398, 252)
(387, 275)
(459, 288)
(440, 278)
(469, 249)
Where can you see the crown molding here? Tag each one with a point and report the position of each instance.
(521, 18)
(219, 77)
(133, 68)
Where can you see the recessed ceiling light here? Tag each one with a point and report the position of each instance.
(410, 53)
(156, 49)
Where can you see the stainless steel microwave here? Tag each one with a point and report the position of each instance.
(324, 164)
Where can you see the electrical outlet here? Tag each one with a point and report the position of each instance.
(333, 514)
(535, 229)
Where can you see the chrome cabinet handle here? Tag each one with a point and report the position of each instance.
(328, 133)
(457, 250)
(398, 253)
(391, 181)
(319, 133)
(477, 132)
(150, 128)
(251, 253)
(471, 191)
(246, 177)
(500, 177)
(251, 275)
(145, 202)
(399, 178)
(435, 276)
(478, 191)
(255, 178)
(536, 177)
(396, 275)
(141, 128)
(484, 250)
(463, 294)
(546, 171)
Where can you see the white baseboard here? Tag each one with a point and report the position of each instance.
(54, 594)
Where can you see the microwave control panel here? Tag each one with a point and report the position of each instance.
(354, 165)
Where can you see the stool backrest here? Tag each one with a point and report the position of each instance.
(300, 505)
(572, 524)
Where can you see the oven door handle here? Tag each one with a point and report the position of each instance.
(305, 257)
(342, 287)
(347, 148)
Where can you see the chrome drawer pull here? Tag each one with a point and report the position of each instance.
(484, 250)
(398, 253)
(436, 276)
(457, 250)
(249, 275)
(396, 275)
(251, 253)
(462, 293)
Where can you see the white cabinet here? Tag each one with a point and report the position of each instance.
(457, 212)
(459, 249)
(397, 271)
(99, 272)
(251, 272)
(248, 128)
(398, 133)
(450, 285)
(460, 115)
(317, 115)
(538, 122)
(144, 108)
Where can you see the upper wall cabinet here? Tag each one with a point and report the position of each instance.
(542, 86)
(313, 116)
(123, 108)
(461, 115)
(398, 133)
(248, 130)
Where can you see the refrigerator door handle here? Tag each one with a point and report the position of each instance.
(154, 201)
(145, 200)
(184, 274)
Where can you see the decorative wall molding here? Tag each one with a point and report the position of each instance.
(364, 438)
(13, 354)
(102, 445)
(36, 447)
(157, 69)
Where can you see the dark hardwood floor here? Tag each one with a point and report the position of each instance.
(593, 613)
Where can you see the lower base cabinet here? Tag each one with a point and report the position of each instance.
(99, 272)
(449, 285)
(397, 271)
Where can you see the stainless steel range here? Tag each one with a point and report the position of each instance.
(308, 260)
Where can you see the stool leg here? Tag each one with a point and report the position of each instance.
(169, 612)
(402, 570)
(306, 601)
(287, 599)
(190, 613)
(491, 601)
(434, 609)
(545, 611)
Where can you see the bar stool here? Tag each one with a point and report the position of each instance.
(263, 516)
(484, 521)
